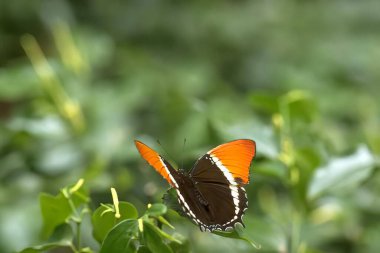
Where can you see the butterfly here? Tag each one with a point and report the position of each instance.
(212, 193)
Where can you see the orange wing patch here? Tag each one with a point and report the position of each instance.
(236, 156)
(155, 160)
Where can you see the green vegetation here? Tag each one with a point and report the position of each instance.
(115, 227)
(81, 80)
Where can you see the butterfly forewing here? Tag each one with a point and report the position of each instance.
(233, 159)
(157, 162)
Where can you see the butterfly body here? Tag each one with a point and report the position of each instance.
(212, 193)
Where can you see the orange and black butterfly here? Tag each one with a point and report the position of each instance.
(212, 194)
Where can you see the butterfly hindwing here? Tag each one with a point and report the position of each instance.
(224, 209)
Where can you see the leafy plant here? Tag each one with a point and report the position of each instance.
(116, 227)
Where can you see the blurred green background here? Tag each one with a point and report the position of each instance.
(80, 80)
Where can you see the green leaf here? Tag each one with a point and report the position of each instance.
(120, 238)
(127, 210)
(153, 239)
(180, 244)
(165, 222)
(103, 221)
(80, 197)
(298, 105)
(55, 210)
(237, 233)
(45, 247)
(156, 210)
(179, 248)
(303, 109)
(86, 250)
(61, 238)
(342, 174)
(143, 249)
(171, 201)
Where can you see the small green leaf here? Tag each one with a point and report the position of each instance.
(55, 210)
(156, 210)
(61, 238)
(164, 221)
(182, 247)
(143, 249)
(153, 239)
(80, 197)
(103, 219)
(45, 247)
(167, 236)
(171, 201)
(237, 233)
(342, 173)
(127, 210)
(120, 238)
(86, 250)
(303, 109)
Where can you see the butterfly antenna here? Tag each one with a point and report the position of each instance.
(166, 152)
(183, 153)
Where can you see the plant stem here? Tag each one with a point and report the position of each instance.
(72, 247)
(78, 240)
(76, 218)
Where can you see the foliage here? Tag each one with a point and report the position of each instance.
(116, 227)
(80, 80)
